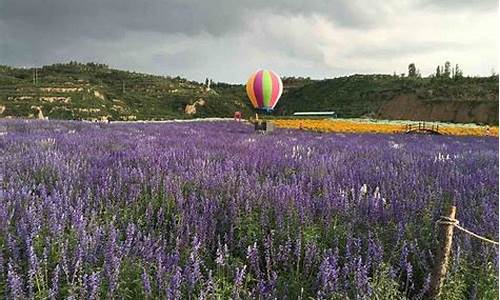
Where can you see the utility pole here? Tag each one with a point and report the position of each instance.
(35, 76)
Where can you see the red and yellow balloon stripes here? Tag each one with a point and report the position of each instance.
(264, 89)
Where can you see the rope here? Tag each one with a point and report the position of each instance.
(454, 222)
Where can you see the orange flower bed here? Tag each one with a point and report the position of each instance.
(378, 127)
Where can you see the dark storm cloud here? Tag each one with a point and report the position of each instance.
(111, 18)
(37, 31)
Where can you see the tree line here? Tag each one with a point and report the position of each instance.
(442, 71)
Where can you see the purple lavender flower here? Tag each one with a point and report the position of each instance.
(112, 260)
(54, 289)
(403, 259)
(425, 287)
(222, 255)
(329, 274)
(374, 252)
(32, 270)
(173, 291)
(130, 238)
(94, 285)
(363, 288)
(192, 270)
(1, 264)
(253, 258)
(240, 276)
(15, 283)
(146, 283)
(99, 199)
(267, 288)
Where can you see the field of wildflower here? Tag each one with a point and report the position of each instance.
(212, 210)
(376, 126)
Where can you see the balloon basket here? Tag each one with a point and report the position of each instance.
(263, 127)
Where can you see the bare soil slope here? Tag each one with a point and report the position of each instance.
(410, 107)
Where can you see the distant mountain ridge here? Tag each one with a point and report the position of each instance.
(95, 91)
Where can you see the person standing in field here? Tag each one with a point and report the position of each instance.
(237, 116)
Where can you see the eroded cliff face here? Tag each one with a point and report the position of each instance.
(410, 107)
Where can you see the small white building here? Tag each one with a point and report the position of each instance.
(330, 114)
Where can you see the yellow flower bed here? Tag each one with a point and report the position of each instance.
(378, 127)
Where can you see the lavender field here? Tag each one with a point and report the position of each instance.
(211, 210)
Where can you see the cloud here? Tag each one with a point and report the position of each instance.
(453, 5)
(110, 18)
(226, 40)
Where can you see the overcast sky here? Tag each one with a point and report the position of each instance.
(228, 39)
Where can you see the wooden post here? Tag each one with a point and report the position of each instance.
(443, 256)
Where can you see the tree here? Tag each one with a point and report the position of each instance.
(447, 69)
(438, 72)
(458, 72)
(412, 70)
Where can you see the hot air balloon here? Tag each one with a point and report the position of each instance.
(264, 89)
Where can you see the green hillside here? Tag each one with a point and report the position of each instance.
(368, 95)
(94, 91)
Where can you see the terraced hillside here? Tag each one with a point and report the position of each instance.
(92, 91)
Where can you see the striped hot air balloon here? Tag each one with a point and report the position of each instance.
(264, 89)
